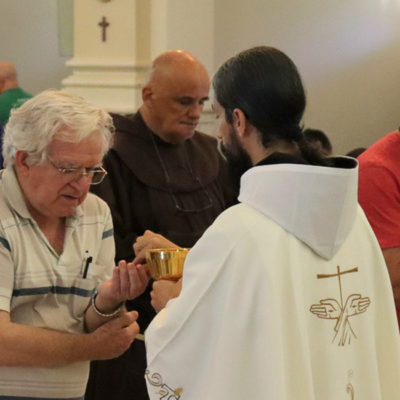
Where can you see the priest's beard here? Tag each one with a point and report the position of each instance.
(237, 157)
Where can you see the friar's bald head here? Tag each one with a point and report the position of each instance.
(174, 95)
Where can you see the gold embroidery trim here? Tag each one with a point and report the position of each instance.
(165, 391)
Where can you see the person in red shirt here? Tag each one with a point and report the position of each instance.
(379, 196)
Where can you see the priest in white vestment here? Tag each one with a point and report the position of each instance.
(286, 296)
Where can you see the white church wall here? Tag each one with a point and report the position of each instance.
(29, 39)
(347, 53)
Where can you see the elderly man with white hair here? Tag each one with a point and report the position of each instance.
(61, 298)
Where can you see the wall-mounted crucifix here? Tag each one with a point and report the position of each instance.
(104, 25)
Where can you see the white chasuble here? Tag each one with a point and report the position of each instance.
(285, 297)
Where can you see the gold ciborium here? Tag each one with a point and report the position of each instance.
(166, 263)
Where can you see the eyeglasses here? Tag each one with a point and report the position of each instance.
(96, 174)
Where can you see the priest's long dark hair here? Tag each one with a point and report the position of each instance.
(265, 84)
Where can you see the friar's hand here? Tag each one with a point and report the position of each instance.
(150, 240)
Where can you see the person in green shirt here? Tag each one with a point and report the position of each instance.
(11, 95)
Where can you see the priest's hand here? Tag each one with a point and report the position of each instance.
(150, 240)
(163, 291)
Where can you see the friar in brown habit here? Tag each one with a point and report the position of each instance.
(163, 176)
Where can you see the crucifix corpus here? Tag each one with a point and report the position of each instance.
(104, 24)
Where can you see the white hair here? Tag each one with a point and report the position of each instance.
(32, 126)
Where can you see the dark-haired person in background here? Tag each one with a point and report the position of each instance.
(319, 140)
(356, 152)
(286, 295)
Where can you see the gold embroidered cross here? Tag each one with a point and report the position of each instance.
(331, 309)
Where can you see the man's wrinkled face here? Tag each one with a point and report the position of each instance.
(51, 194)
(176, 104)
(237, 157)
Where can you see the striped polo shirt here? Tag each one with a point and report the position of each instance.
(41, 288)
